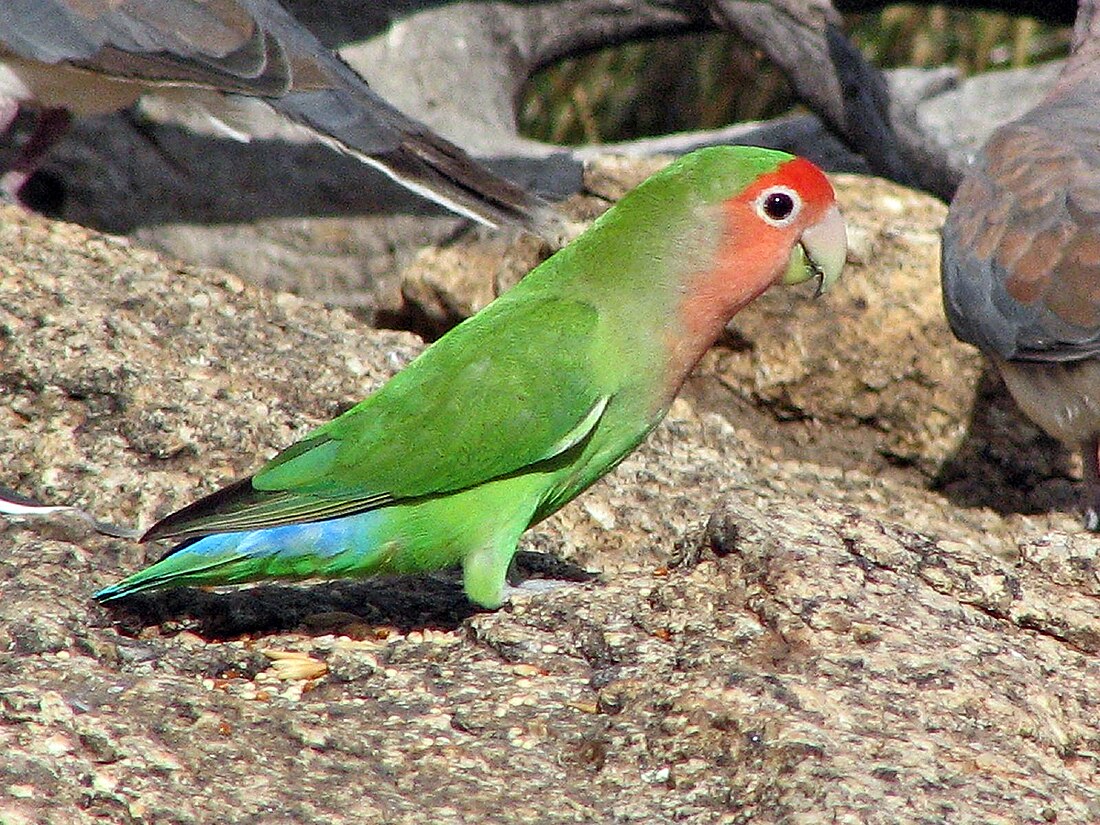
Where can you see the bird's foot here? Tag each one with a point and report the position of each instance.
(10, 184)
(535, 587)
(537, 573)
(51, 126)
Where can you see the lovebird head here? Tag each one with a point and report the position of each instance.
(681, 254)
(777, 215)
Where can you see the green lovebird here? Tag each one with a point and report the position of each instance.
(517, 410)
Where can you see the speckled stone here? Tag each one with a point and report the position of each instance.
(784, 630)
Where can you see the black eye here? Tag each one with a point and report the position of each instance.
(778, 205)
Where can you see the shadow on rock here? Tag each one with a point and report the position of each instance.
(354, 608)
(1005, 462)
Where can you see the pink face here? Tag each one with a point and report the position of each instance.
(785, 226)
(790, 207)
(766, 220)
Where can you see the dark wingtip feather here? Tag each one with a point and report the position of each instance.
(430, 164)
(189, 520)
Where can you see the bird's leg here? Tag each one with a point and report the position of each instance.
(1090, 453)
(9, 108)
(50, 126)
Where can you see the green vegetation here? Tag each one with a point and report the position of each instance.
(973, 41)
(709, 80)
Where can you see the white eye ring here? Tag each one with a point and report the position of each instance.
(778, 206)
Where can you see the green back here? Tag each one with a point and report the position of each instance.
(582, 338)
(502, 390)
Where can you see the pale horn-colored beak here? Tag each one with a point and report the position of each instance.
(820, 253)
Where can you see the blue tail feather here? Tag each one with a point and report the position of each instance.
(342, 546)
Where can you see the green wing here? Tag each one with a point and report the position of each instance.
(508, 388)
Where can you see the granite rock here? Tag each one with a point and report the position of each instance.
(826, 590)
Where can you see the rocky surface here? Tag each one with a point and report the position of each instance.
(838, 584)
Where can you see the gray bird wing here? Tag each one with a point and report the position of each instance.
(1021, 244)
(256, 48)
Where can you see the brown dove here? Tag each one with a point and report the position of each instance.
(1021, 257)
(94, 56)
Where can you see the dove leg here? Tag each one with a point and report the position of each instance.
(51, 125)
(1090, 453)
(9, 108)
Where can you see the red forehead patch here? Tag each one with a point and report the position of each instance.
(800, 175)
